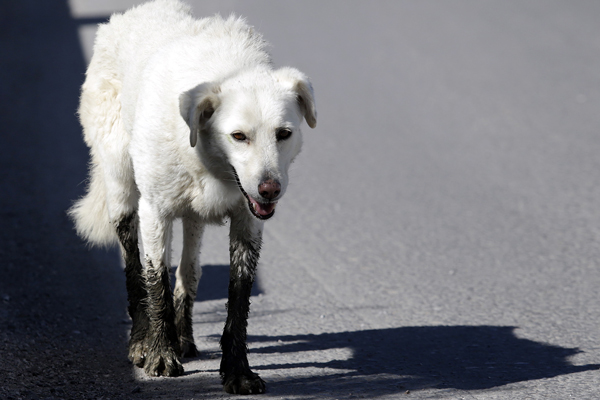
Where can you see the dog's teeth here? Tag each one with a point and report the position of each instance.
(255, 207)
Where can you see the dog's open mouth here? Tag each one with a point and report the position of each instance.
(259, 210)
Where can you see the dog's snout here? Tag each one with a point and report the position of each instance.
(269, 189)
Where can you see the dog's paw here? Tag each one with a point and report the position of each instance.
(137, 353)
(188, 348)
(248, 383)
(163, 362)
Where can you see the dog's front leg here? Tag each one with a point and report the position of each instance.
(161, 341)
(245, 241)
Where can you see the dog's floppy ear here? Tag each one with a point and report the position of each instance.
(295, 80)
(197, 105)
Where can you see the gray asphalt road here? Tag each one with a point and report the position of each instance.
(441, 234)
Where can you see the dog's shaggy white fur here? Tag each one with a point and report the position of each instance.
(186, 119)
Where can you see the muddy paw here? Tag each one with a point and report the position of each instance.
(248, 383)
(137, 353)
(163, 362)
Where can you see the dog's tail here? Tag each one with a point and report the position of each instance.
(111, 193)
(90, 213)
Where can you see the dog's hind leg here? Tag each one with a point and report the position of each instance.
(122, 198)
(108, 211)
(244, 249)
(162, 346)
(188, 274)
(136, 289)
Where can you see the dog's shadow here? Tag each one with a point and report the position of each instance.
(388, 361)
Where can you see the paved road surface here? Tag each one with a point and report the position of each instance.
(441, 234)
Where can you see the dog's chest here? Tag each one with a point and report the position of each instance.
(213, 199)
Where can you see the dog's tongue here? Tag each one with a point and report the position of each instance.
(262, 209)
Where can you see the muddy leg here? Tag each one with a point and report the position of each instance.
(161, 341)
(136, 290)
(188, 275)
(245, 242)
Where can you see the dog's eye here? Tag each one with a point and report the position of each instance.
(283, 134)
(239, 136)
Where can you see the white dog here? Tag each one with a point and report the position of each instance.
(186, 119)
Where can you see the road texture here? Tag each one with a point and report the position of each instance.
(440, 238)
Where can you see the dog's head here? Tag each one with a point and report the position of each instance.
(247, 128)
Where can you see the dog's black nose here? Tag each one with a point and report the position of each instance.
(269, 189)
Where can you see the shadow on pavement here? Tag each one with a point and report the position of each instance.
(61, 306)
(394, 360)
